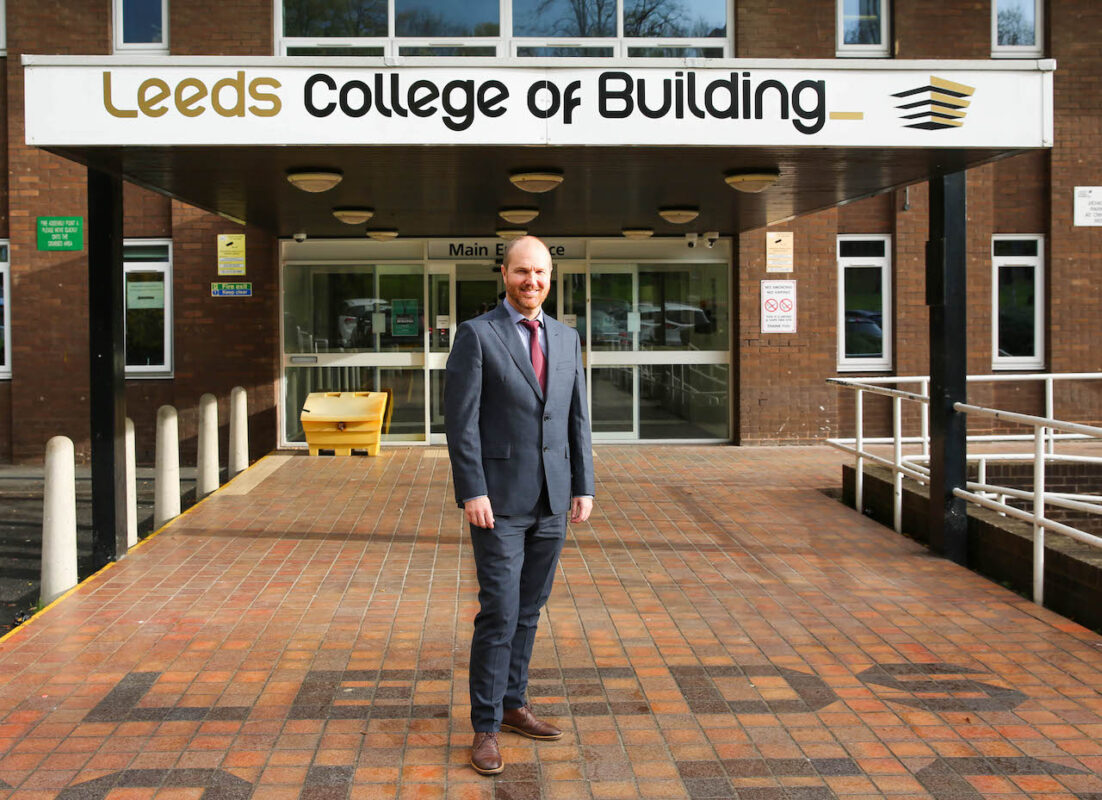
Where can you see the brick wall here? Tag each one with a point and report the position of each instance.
(236, 28)
(796, 29)
(946, 29)
(49, 390)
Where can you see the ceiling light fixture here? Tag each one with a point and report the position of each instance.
(383, 234)
(536, 182)
(511, 233)
(518, 216)
(314, 180)
(637, 233)
(752, 182)
(353, 216)
(679, 215)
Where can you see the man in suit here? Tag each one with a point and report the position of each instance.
(517, 422)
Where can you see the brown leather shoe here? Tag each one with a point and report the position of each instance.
(523, 721)
(485, 755)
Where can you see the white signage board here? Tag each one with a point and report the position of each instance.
(1088, 206)
(494, 249)
(275, 101)
(778, 306)
(778, 251)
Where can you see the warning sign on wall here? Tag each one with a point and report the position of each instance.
(778, 306)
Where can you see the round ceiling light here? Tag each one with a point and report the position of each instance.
(752, 182)
(536, 182)
(353, 216)
(511, 233)
(314, 180)
(679, 215)
(383, 234)
(518, 216)
(637, 233)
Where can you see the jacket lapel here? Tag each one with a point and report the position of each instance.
(502, 325)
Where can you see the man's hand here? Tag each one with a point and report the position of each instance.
(580, 508)
(479, 513)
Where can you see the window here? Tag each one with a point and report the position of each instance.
(523, 28)
(141, 25)
(864, 303)
(1016, 29)
(147, 264)
(3, 28)
(862, 28)
(5, 312)
(1017, 282)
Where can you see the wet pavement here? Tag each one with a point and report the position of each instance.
(720, 628)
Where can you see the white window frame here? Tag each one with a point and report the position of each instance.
(843, 50)
(5, 281)
(1037, 360)
(853, 364)
(505, 44)
(148, 48)
(165, 268)
(3, 28)
(1035, 50)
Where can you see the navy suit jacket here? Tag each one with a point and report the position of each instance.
(506, 439)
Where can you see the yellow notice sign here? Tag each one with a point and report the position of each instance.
(231, 254)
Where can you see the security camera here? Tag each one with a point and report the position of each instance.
(690, 239)
(299, 237)
(710, 239)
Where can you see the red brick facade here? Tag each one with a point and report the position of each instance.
(780, 394)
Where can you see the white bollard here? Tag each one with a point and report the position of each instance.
(131, 487)
(59, 521)
(166, 491)
(238, 458)
(206, 475)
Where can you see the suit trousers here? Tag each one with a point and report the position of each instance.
(515, 561)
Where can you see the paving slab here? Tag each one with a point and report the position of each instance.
(720, 628)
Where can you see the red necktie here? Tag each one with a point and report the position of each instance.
(538, 362)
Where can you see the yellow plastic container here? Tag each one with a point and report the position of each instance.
(345, 421)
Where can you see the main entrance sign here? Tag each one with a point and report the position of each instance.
(182, 101)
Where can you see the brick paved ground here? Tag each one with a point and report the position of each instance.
(720, 629)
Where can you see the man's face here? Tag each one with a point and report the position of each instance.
(527, 276)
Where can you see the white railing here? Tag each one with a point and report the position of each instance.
(1047, 430)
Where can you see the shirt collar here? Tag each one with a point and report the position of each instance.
(517, 317)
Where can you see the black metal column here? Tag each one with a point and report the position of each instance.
(945, 295)
(108, 363)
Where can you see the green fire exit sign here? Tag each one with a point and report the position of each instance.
(61, 233)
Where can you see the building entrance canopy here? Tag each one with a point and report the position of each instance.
(430, 145)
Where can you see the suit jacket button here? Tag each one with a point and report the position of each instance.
(546, 417)
(547, 449)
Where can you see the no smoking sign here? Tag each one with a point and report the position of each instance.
(778, 306)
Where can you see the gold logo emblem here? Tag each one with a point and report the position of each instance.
(937, 105)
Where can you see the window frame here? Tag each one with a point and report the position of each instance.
(147, 48)
(882, 50)
(1037, 360)
(167, 370)
(1035, 50)
(505, 44)
(851, 363)
(3, 28)
(5, 283)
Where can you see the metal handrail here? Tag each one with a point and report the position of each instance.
(1047, 430)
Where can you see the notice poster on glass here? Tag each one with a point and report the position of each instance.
(778, 306)
(404, 315)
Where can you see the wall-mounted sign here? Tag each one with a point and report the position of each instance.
(778, 251)
(778, 306)
(231, 254)
(145, 294)
(493, 249)
(231, 289)
(1088, 206)
(61, 233)
(190, 101)
(405, 316)
(569, 320)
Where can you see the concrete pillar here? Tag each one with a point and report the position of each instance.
(131, 487)
(238, 458)
(206, 479)
(166, 497)
(59, 521)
